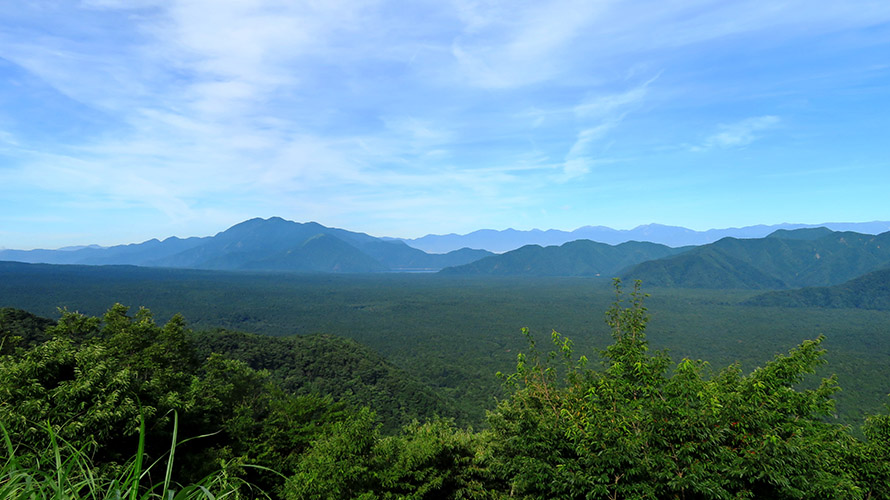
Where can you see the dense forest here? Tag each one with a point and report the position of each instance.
(869, 291)
(322, 417)
(452, 333)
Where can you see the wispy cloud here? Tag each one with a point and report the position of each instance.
(507, 44)
(614, 105)
(738, 134)
(600, 114)
(579, 159)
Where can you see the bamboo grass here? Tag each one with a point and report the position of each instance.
(66, 472)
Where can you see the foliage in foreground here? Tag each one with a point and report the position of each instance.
(98, 381)
(634, 425)
(430, 460)
(637, 429)
(62, 471)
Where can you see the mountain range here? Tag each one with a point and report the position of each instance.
(575, 258)
(784, 259)
(271, 244)
(673, 236)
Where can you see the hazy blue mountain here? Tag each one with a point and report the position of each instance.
(132, 254)
(576, 258)
(870, 291)
(673, 236)
(271, 244)
(243, 244)
(319, 253)
(808, 234)
(398, 256)
(277, 244)
(785, 259)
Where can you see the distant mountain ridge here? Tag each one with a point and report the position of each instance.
(785, 259)
(272, 244)
(672, 236)
(575, 258)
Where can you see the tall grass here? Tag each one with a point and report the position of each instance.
(64, 471)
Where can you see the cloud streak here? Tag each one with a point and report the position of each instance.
(739, 134)
(606, 112)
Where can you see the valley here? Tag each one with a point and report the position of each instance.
(454, 333)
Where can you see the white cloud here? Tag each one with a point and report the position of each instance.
(417, 132)
(578, 161)
(738, 134)
(8, 139)
(514, 44)
(606, 112)
(613, 105)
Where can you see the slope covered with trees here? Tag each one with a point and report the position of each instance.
(332, 366)
(576, 258)
(786, 259)
(870, 291)
(93, 379)
(20, 328)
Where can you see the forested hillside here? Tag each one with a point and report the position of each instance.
(263, 398)
(333, 366)
(786, 259)
(806, 257)
(871, 291)
(622, 422)
(576, 258)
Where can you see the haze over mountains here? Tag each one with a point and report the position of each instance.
(575, 258)
(784, 259)
(264, 245)
(672, 236)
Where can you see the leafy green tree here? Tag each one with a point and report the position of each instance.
(636, 429)
(350, 373)
(871, 459)
(431, 460)
(274, 430)
(78, 390)
(434, 460)
(94, 381)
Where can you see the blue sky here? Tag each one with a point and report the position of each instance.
(124, 120)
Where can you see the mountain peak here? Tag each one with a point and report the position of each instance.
(807, 233)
